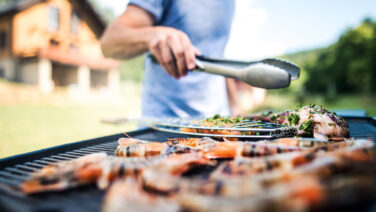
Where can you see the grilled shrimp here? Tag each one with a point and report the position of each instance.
(303, 193)
(250, 166)
(141, 149)
(321, 145)
(230, 150)
(130, 141)
(244, 176)
(128, 195)
(253, 149)
(66, 174)
(292, 196)
(94, 168)
(137, 148)
(164, 177)
(192, 142)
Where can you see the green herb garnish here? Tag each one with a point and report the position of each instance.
(307, 126)
(293, 119)
(265, 114)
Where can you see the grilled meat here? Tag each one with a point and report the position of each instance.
(311, 121)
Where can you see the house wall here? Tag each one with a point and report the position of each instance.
(6, 26)
(64, 75)
(28, 72)
(7, 65)
(31, 31)
(98, 79)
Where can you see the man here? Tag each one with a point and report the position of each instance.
(175, 31)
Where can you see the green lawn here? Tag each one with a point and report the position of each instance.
(25, 128)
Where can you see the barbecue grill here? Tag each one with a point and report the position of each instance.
(15, 169)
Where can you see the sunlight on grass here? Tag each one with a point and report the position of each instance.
(26, 128)
(30, 120)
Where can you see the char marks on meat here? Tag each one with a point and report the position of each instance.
(311, 121)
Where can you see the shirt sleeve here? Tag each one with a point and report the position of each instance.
(154, 7)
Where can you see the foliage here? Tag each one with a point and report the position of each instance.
(347, 66)
(106, 13)
(132, 69)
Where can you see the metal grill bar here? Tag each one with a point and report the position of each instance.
(72, 155)
(9, 181)
(80, 152)
(52, 160)
(26, 168)
(17, 171)
(34, 165)
(12, 176)
(60, 157)
(43, 163)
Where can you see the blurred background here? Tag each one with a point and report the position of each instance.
(56, 86)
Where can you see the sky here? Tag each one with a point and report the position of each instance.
(266, 28)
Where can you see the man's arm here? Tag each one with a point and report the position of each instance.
(232, 94)
(133, 33)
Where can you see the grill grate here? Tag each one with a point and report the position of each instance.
(88, 198)
(259, 129)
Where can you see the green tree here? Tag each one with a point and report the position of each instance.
(106, 13)
(347, 66)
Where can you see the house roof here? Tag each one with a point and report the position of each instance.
(14, 6)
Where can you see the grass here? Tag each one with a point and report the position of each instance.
(26, 128)
(37, 121)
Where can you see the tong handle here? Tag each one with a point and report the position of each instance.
(267, 73)
(257, 74)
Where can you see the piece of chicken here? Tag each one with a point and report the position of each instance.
(311, 121)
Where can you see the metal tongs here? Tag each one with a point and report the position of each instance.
(268, 73)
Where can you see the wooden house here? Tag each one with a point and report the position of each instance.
(52, 43)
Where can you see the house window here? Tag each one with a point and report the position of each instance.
(2, 72)
(73, 48)
(75, 22)
(54, 18)
(54, 43)
(3, 40)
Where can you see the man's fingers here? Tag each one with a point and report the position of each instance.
(174, 51)
(156, 51)
(190, 57)
(197, 52)
(168, 61)
(179, 54)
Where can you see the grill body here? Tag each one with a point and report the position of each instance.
(15, 169)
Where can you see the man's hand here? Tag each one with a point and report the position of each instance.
(173, 50)
(134, 33)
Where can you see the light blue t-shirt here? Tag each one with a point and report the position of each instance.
(207, 23)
